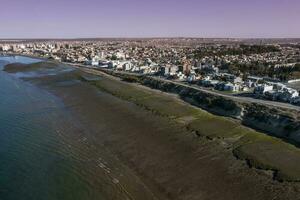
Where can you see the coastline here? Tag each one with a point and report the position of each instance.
(24, 55)
(191, 154)
(272, 118)
(245, 143)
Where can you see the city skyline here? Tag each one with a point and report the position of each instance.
(133, 18)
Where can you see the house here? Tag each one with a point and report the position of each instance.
(113, 64)
(126, 66)
(250, 84)
(169, 70)
(144, 69)
(231, 87)
(287, 94)
(237, 80)
(263, 88)
(95, 61)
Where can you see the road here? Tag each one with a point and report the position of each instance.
(95, 70)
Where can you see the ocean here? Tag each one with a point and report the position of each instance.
(44, 153)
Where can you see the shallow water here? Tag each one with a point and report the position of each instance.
(18, 59)
(33, 161)
(45, 153)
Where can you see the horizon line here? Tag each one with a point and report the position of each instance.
(150, 37)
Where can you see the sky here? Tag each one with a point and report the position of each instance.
(149, 18)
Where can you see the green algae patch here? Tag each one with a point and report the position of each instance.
(19, 67)
(215, 127)
(277, 156)
(162, 104)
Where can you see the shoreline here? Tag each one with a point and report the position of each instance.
(275, 126)
(191, 126)
(147, 162)
(189, 150)
(259, 128)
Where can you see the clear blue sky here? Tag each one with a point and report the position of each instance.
(149, 18)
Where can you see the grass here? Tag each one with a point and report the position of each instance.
(258, 149)
(268, 154)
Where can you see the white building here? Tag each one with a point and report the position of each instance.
(263, 88)
(95, 61)
(127, 66)
(6, 48)
(231, 87)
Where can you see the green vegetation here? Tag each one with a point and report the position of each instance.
(251, 68)
(263, 69)
(18, 67)
(272, 155)
(241, 50)
(259, 150)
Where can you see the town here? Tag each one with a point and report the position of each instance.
(259, 69)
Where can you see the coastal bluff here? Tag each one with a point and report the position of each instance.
(275, 121)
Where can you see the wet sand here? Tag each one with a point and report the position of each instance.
(161, 159)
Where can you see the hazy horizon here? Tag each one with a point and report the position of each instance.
(66, 19)
(155, 37)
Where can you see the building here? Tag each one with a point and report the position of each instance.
(169, 70)
(186, 68)
(263, 88)
(232, 87)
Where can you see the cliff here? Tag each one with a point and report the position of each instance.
(278, 122)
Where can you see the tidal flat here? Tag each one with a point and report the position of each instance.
(172, 150)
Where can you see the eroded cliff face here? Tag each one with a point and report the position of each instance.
(275, 121)
(283, 123)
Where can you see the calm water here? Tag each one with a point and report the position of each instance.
(44, 153)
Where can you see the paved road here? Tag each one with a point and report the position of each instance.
(94, 70)
(237, 98)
